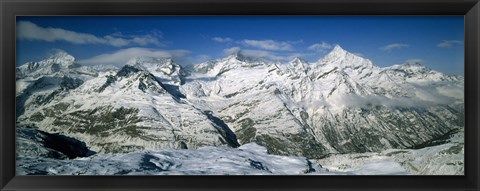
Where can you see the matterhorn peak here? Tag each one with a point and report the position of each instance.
(338, 48)
(342, 59)
(337, 52)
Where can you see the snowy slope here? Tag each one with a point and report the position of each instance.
(442, 159)
(250, 98)
(249, 159)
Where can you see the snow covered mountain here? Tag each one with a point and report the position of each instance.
(60, 61)
(342, 103)
(121, 111)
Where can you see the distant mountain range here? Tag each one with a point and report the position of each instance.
(342, 103)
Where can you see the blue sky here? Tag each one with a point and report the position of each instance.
(435, 41)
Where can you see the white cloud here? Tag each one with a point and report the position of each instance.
(314, 104)
(453, 90)
(262, 54)
(232, 50)
(296, 41)
(222, 39)
(120, 57)
(145, 40)
(268, 45)
(393, 46)
(425, 96)
(449, 43)
(30, 31)
(321, 47)
(298, 55)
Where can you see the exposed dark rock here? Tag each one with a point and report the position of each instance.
(58, 145)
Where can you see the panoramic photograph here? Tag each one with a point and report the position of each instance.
(240, 95)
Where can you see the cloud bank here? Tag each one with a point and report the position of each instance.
(31, 31)
(393, 46)
(263, 54)
(222, 39)
(120, 57)
(320, 47)
(449, 43)
(422, 100)
(268, 45)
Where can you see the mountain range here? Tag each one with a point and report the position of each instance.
(340, 104)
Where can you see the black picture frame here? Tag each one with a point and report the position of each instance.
(10, 8)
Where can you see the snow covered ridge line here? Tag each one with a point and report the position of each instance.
(342, 103)
(249, 159)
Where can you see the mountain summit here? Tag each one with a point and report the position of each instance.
(337, 51)
(342, 58)
(61, 57)
(58, 62)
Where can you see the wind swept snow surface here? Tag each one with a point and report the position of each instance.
(249, 159)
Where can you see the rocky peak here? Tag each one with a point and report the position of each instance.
(127, 70)
(150, 61)
(300, 64)
(338, 51)
(341, 60)
(342, 57)
(61, 58)
(58, 62)
(298, 60)
(164, 69)
(238, 57)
